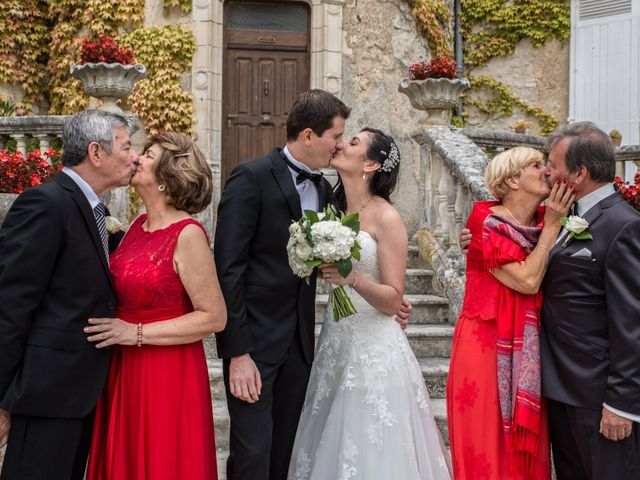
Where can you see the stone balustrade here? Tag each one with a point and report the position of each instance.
(38, 127)
(453, 172)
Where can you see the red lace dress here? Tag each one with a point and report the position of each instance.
(154, 419)
(477, 440)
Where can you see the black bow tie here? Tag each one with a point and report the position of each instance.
(302, 174)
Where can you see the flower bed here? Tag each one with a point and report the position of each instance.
(18, 173)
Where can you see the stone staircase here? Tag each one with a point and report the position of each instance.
(430, 336)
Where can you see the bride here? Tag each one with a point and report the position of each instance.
(367, 413)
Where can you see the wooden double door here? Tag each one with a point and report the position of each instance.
(266, 66)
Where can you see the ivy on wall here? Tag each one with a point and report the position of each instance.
(24, 37)
(503, 102)
(75, 19)
(493, 28)
(41, 39)
(159, 99)
(433, 19)
(185, 5)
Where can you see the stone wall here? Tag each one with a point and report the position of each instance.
(539, 76)
(381, 41)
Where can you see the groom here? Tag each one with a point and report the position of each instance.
(54, 274)
(590, 346)
(267, 346)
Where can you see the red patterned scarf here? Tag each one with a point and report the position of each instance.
(518, 356)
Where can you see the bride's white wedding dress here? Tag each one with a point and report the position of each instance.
(367, 413)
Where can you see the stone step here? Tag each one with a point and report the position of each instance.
(416, 281)
(427, 340)
(221, 422)
(427, 309)
(414, 260)
(434, 372)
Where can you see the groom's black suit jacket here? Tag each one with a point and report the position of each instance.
(265, 300)
(590, 347)
(53, 277)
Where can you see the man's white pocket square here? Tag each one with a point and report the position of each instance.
(585, 252)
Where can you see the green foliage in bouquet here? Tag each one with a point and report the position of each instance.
(326, 237)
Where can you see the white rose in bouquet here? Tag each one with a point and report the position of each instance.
(332, 240)
(325, 237)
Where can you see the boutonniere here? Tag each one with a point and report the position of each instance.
(113, 225)
(577, 228)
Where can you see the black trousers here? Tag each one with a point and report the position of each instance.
(262, 433)
(580, 452)
(47, 448)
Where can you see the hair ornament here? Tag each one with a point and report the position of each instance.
(392, 160)
(184, 154)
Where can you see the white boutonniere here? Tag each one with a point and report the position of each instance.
(113, 225)
(577, 228)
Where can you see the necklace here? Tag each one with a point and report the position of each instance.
(366, 203)
(511, 214)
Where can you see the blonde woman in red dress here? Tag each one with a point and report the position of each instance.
(154, 420)
(497, 418)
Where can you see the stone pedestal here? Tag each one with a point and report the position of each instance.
(108, 81)
(435, 96)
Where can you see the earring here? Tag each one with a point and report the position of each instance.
(162, 187)
(364, 176)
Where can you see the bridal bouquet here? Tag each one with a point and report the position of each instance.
(325, 237)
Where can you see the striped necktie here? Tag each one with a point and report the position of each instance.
(100, 213)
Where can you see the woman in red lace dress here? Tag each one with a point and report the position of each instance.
(154, 420)
(497, 419)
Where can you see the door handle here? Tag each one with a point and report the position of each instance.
(265, 85)
(230, 118)
(266, 119)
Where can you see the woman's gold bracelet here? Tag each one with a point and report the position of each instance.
(139, 335)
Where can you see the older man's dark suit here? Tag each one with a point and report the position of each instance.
(591, 344)
(270, 312)
(53, 277)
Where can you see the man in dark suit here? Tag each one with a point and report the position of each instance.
(267, 346)
(590, 347)
(54, 275)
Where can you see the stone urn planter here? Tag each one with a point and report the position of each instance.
(108, 81)
(436, 96)
(6, 200)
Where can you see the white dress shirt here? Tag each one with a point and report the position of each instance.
(93, 199)
(307, 190)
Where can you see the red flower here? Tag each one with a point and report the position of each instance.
(441, 67)
(18, 173)
(630, 192)
(105, 49)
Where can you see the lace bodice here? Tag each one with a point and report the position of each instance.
(142, 269)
